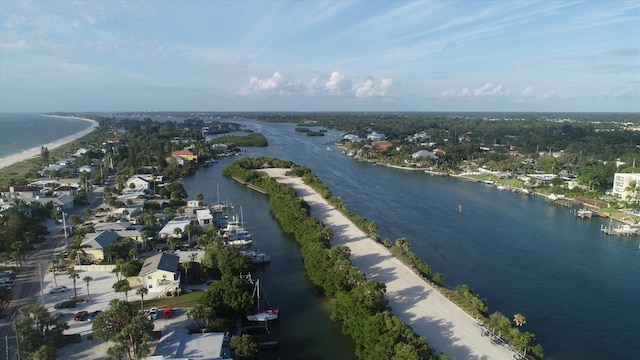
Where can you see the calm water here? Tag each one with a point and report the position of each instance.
(577, 288)
(22, 132)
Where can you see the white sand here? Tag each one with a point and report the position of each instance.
(446, 327)
(33, 152)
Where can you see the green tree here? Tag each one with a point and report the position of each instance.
(245, 346)
(123, 286)
(519, 319)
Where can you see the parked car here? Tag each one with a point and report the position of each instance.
(59, 289)
(68, 304)
(167, 313)
(93, 315)
(80, 315)
(153, 312)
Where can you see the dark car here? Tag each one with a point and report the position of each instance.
(93, 315)
(80, 315)
(65, 305)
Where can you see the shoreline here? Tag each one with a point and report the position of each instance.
(429, 312)
(35, 151)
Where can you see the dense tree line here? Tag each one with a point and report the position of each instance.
(360, 304)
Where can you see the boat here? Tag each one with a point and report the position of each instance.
(584, 213)
(621, 230)
(329, 149)
(234, 233)
(267, 314)
(256, 257)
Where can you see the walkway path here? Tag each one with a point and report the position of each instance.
(446, 327)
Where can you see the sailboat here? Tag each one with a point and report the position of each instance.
(262, 315)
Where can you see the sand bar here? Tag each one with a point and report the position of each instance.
(33, 152)
(446, 327)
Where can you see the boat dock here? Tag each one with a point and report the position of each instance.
(621, 230)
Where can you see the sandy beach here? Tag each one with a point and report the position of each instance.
(33, 152)
(446, 327)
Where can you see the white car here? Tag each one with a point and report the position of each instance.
(59, 289)
(153, 312)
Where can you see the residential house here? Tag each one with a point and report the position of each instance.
(382, 145)
(351, 138)
(96, 244)
(66, 190)
(424, 154)
(185, 154)
(137, 184)
(85, 169)
(375, 136)
(63, 202)
(113, 226)
(626, 186)
(204, 217)
(170, 227)
(24, 192)
(73, 182)
(160, 273)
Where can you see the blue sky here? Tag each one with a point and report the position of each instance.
(319, 56)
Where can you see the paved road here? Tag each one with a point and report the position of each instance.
(26, 289)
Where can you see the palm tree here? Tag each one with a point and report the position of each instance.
(186, 265)
(123, 286)
(76, 249)
(74, 276)
(54, 262)
(88, 279)
(519, 319)
(142, 291)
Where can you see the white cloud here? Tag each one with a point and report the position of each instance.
(527, 91)
(337, 84)
(276, 84)
(488, 89)
(369, 88)
(447, 93)
(548, 94)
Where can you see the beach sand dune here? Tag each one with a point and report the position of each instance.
(446, 327)
(33, 152)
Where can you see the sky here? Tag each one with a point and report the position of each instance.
(373, 55)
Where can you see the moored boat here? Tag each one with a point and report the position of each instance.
(267, 314)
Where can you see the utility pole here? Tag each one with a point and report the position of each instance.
(64, 223)
(40, 276)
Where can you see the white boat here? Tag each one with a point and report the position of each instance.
(584, 213)
(262, 315)
(256, 257)
(234, 233)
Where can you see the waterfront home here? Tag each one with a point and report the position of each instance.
(375, 136)
(85, 169)
(424, 154)
(204, 216)
(186, 154)
(73, 182)
(170, 228)
(160, 274)
(625, 186)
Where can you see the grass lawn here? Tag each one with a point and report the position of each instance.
(189, 300)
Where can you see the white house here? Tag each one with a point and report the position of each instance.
(170, 227)
(375, 136)
(424, 154)
(625, 185)
(137, 183)
(85, 169)
(204, 217)
(160, 273)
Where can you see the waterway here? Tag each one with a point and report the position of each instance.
(578, 288)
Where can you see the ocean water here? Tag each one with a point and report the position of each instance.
(22, 131)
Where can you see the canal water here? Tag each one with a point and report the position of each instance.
(577, 288)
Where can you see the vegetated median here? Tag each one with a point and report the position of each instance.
(463, 296)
